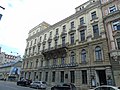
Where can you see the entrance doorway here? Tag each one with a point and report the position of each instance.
(101, 77)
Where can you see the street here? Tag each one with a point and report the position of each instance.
(6, 85)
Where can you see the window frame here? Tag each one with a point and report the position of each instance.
(116, 25)
(81, 20)
(72, 38)
(95, 30)
(82, 35)
(98, 53)
(83, 56)
(93, 15)
(112, 9)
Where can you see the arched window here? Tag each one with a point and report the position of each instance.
(72, 57)
(98, 53)
(83, 55)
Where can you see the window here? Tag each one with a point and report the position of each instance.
(27, 64)
(72, 75)
(31, 64)
(81, 20)
(63, 41)
(72, 58)
(33, 49)
(29, 75)
(57, 31)
(63, 59)
(47, 62)
(29, 51)
(41, 63)
(31, 43)
(82, 35)
(84, 76)
(46, 77)
(35, 41)
(72, 24)
(98, 53)
(93, 15)
(118, 42)
(27, 44)
(25, 74)
(64, 28)
(40, 76)
(116, 25)
(55, 61)
(34, 76)
(62, 76)
(45, 36)
(36, 63)
(56, 42)
(112, 9)
(49, 45)
(26, 52)
(40, 38)
(51, 34)
(72, 38)
(43, 46)
(95, 31)
(38, 48)
(83, 56)
(53, 76)
(23, 63)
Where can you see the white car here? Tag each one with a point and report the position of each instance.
(105, 87)
(38, 84)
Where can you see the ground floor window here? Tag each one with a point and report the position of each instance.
(46, 76)
(72, 75)
(40, 76)
(53, 76)
(62, 76)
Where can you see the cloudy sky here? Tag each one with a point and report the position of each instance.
(20, 16)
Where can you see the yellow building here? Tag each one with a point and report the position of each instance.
(73, 50)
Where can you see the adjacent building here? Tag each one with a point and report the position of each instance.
(73, 50)
(111, 17)
(10, 66)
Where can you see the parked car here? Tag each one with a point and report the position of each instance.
(105, 87)
(65, 86)
(24, 82)
(38, 85)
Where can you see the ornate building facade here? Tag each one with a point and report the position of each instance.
(111, 17)
(73, 50)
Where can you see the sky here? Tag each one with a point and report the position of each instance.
(20, 16)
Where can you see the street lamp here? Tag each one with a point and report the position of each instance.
(1, 8)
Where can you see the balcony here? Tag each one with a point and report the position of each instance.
(72, 30)
(51, 52)
(112, 14)
(94, 20)
(50, 39)
(82, 27)
(60, 66)
(64, 33)
(56, 37)
(115, 54)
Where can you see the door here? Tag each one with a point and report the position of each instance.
(102, 77)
